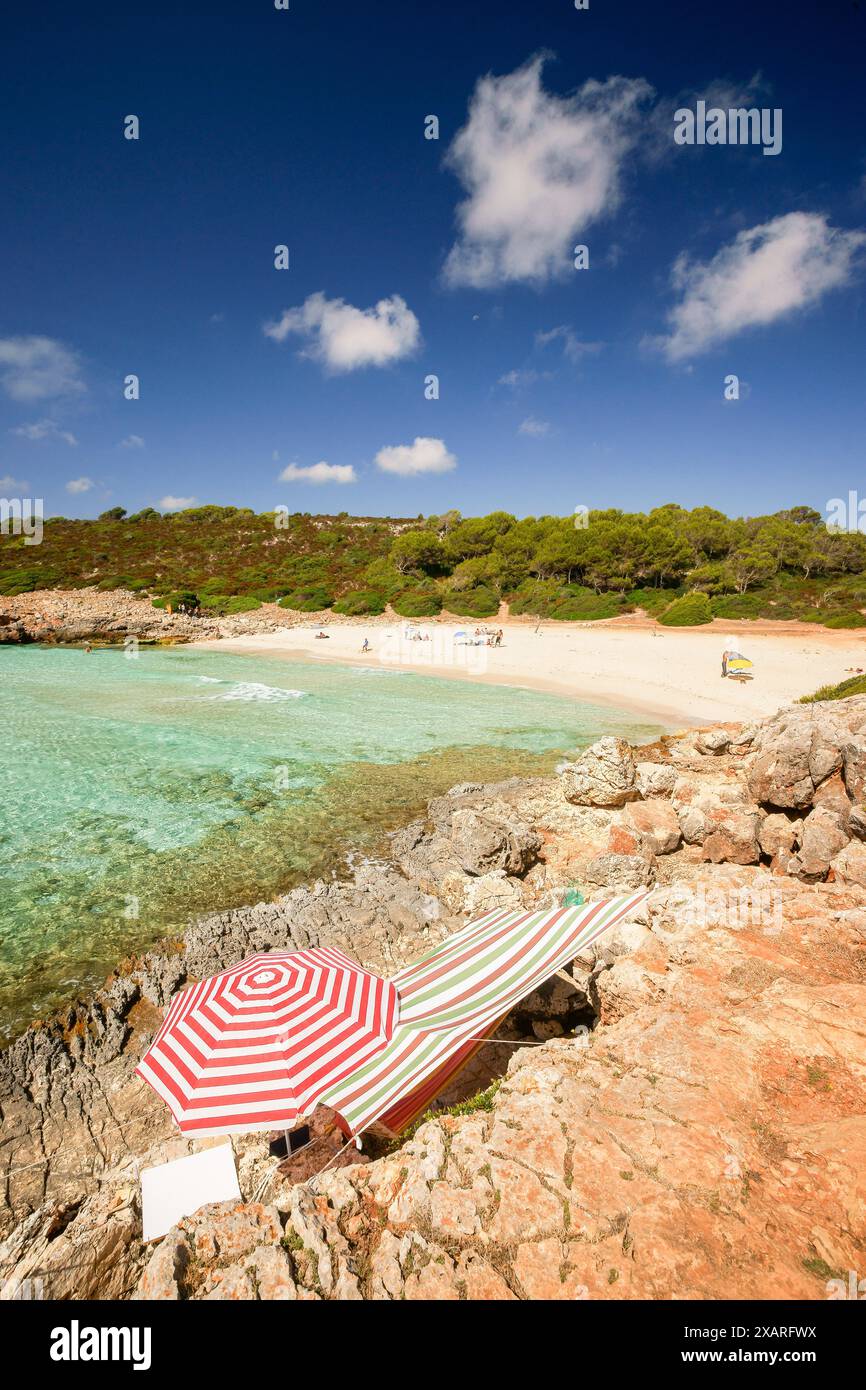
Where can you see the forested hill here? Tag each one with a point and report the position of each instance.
(684, 566)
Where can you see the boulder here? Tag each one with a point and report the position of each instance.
(604, 775)
(693, 824)
(778, 832)
(800, 748)
(854, 766)
(656, 824)
(822, 838)
(857, 822)
(655, 779)
(482, 844)
(849, 865)
(833, 796)
(733, 838)
(623, 872)
(714, 741)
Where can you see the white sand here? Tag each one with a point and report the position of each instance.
(670, 675)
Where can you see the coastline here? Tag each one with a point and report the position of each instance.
(671, 675)
(780, 964)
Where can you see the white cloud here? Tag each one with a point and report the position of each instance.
(538, 170)
(344, 338)
(132, 441)
(33, 368)
(44, 429)
(521, 376)
(176, 504)
(572, 347)
(423, 456)
(534, 427)
(319, 473)
(766, 273)
(9, 486)
(76, 485)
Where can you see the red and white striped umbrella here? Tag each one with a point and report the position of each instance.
(254, 1047)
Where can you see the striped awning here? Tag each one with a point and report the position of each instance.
(253, 1048)
(453, 997)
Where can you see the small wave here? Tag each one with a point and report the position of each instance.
(376, 671)
(253, 691)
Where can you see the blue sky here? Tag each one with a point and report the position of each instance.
(558, 387)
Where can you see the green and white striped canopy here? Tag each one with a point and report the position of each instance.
(453, 997)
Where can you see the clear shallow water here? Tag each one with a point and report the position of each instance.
(137, 792)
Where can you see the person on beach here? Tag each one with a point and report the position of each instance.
(725, 655)
(366, 646)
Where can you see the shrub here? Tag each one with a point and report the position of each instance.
(854, 685)
(535, 597)
(186, 597)
(689, 611)
(21, 581)
(652, 601)
(242, 604)
(739, 606)
(358, 601)
(846, 620)
(310, 599)
(588, 607)
(418, 603)
(471, 603)
(115, 581)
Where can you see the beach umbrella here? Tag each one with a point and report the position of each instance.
(253, 1047)
(454, 997)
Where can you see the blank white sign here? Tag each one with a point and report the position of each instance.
(177, 1189)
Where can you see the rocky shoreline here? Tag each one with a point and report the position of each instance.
(69, 616)
(689, 1123)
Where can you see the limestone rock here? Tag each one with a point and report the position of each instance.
(657, 825)
(714, 741)
(623, 872)
(655, 779)
(822, 838)
(778, 832)
(604, 775)
(849, 865)
(798, 749)
(734, 839)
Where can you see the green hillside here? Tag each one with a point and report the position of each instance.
(684, 567)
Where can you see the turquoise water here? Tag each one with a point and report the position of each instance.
(137, 792)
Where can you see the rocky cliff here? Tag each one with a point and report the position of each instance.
(686, 1120)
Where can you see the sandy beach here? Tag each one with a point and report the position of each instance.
(669, 674)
